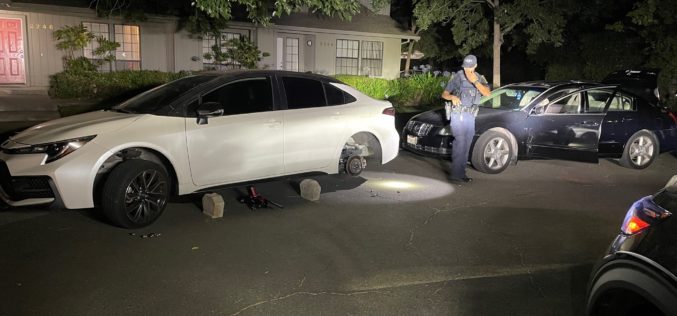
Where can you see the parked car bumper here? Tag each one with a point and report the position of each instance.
(67, 182)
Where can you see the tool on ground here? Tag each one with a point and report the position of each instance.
(255, 200)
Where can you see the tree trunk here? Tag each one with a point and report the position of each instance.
(498, 41)
(407, 64)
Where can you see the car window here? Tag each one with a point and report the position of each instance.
(336, 96)
(511, 97)
(303, 93)
(154, 99)
(249, 95)
(570, 104)
(597, 100)
(621, 102)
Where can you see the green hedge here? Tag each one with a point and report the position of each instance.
(95, 85)
(415, 91)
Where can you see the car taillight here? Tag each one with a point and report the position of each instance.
(389, 111)
(673, 116)
(642, 214)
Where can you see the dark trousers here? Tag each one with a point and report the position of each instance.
(463, 130)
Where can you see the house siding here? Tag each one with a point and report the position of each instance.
(163, 48)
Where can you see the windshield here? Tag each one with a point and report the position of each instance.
(156, 98)
(513, 98)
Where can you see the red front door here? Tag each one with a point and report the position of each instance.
(11, 52)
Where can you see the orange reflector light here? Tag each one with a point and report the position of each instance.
(634, 225)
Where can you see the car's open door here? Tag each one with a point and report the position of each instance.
(568, 128)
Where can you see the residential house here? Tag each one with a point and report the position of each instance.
(367, 45)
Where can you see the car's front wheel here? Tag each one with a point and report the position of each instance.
(640, 151)
(492, 152)
(135, 193)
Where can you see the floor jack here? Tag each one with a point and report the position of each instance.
(255, 200)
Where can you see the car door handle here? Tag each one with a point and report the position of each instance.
(593, 123)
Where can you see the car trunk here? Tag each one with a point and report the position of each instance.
(643, 83)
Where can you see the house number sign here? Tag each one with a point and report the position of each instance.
(39, 26)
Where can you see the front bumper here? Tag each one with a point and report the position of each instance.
(27, 190)
(423, 138)
(68, 182)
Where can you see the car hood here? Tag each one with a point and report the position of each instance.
(92, 123)
(437, 117)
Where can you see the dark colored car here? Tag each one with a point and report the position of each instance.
(638, 276)
(561, 120)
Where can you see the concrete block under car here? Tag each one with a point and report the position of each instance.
(310, 189)
(212, 205)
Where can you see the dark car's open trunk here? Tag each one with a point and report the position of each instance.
(640, 82)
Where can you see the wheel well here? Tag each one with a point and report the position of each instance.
(133, 153)
(619, 301)
(373, 146)
(513, 141)
(655, 137)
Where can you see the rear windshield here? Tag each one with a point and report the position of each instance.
(513, 98)
(156, 98)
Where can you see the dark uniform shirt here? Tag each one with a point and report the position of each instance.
(461, 87)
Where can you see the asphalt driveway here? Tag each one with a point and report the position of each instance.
(399, 240)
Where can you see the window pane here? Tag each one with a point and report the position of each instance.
(99, 30)
(334, 95)
(621, 102)
(303, 93)
(567, 105)
(244, 96)
(597, 100)
(128, 37)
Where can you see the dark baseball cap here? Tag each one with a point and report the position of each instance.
(469, 61)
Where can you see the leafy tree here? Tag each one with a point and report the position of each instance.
(653, 22)
(424, 14)
(259, 11)
(72, 38)
(541, 21)
(106, 50)
(239, 51)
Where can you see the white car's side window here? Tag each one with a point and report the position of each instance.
(243, 96)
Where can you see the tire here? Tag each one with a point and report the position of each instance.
(492, 152)
(640, 151)
(135, 193)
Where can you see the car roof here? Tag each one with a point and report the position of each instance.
(238, 72)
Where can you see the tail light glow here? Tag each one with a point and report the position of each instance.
(642, 215)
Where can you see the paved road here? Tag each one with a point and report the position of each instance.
(399, 240)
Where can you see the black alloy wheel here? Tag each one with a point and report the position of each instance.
(136, 193)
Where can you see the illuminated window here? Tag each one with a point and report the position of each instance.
(372, 58)
(347, 57)
(128, 55)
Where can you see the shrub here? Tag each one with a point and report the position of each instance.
(422, 90)
(94, 85)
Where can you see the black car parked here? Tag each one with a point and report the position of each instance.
(563, 120)
(638, 276)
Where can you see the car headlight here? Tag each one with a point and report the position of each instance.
(55, 150)
(445, 131)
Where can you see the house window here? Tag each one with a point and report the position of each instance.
(291, 60)
(221, 41)
(128, 55)
(99, 30)
(372, 58)
(347, 57)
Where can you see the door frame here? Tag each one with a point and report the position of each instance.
(24, 36)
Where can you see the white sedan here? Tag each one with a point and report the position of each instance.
(192, 134)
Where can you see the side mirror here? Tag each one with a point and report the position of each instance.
(538, 109)
(207, 110)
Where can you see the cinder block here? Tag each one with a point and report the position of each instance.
(212, 205)
(310, 189)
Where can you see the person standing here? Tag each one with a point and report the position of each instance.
(464, 90)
